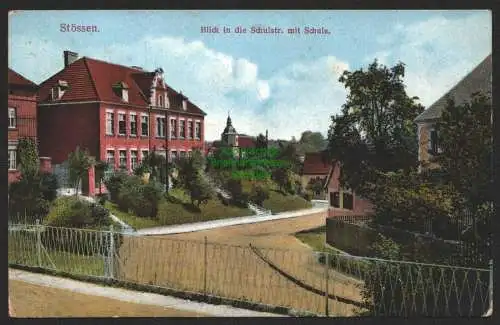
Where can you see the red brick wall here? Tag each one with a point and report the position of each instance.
(25, 107)
(62, 128)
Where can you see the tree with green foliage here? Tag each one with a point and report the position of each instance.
(316, 185)
(465, 157)
(280, 177)
(261, 142)
(200, 192)
(259, 194)
(311, 142)
(100, 170)
(157, 165)
(28, 161)
(375, 132)
(79, 163)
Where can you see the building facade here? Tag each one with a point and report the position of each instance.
(22, 117)
(118, 113)
(344, 201)
(478, 80)
(315, 168)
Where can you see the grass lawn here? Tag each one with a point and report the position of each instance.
(30, 300)
(22, 250)
(279, 202)
(177, 209)
(316, 239)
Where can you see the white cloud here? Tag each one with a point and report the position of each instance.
(438, 52)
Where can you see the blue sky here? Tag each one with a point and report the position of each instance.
(284, 83)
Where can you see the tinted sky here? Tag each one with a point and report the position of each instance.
(285, 83)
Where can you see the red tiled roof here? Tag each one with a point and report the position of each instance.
(18, 80)
(314, 164)
(245, 141)
(91, 79)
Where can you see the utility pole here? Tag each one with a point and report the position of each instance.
(167, 156)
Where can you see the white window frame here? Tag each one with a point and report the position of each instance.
(108, 150)
(174, 128)
(197, 123)
(125, 95)
(12, 158)
(147, 129)
(172, 154)
(142, 154)
(182, 136)
(181, 155)
(429, 142)
(132, 165)
(130, 124)
(112, 120)
(184, 104)
(158, 135)
(120, 158)
(120, 114)
(12, 117)
(190, 122)
(160, 101)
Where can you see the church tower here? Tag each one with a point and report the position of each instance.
(229, 137)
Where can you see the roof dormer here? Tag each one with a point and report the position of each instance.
(121, 90)
(184, 101)
(59, 89)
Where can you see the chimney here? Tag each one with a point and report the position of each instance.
(69, 57)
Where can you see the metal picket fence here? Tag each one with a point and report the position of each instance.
(308, 282)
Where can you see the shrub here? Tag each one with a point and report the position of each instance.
(114, 183)
(26, 197)
(49, 186)
(307, 195)
(74, 213)
(102, 198)
(259, 194)
(140, 198)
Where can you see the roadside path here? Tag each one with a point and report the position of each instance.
(134, 296)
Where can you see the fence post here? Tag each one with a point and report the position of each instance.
(327, 262)
(205, 263)
(38, 242)
(490, 286)
(111, 252)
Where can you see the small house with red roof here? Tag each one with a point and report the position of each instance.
(315, 168)
(22, 119)
(118, 113)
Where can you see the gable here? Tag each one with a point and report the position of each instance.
(478, 80)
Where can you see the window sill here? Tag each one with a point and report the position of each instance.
(157, 137)
(122, 135)
(144, 136)
(133, 135)
(12, 128)
(110, 134)
(12, 170)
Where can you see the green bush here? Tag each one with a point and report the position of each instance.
(140, 198)
(74, 213)
(49, 186)
(259, 194)
(26, 197)
(114, 183)
(307, 195)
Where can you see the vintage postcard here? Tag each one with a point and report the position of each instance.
(250, 163)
